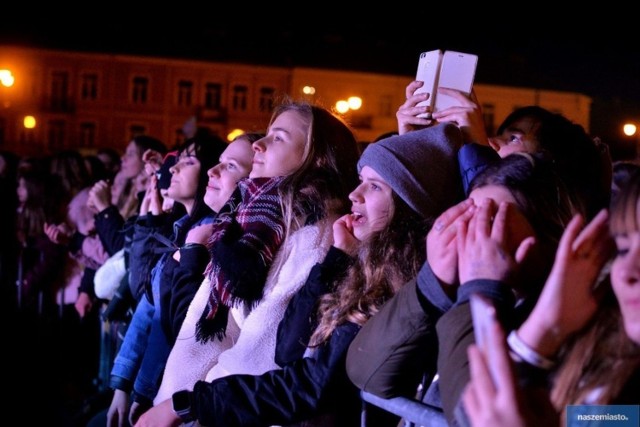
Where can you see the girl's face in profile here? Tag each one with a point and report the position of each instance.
(625, 280)
(184, 176)
(235, 164)
(372, 204)
(281, 151)
(132, 162)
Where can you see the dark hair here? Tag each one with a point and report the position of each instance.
(112, 165)
(207, 149)
(70, 167)
(582, 162)
(96, 168)
(145, 142)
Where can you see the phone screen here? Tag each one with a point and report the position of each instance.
(457, 72)
(483, 313)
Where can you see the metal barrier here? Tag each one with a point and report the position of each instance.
(413, 412)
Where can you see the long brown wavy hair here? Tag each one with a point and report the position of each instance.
(385, 262)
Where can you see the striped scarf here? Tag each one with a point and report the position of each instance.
(252, 224)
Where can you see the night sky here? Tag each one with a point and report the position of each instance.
(548, 54)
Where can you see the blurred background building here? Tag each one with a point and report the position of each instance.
(53, 99)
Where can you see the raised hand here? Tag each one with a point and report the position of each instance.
(100, 195)
(83, 304)
(483, 245)
(492, 398)
(343, 237)
(408, 112)
(467, 115)
(152, 161)
(568, 301)
(442, 252)
(152, 201)
(58, 233)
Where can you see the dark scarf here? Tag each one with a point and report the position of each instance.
(249, 227)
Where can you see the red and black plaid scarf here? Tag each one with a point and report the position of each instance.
(253, 220)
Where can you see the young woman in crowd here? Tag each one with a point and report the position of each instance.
(140, 360)
(235, 164)
(377, 248)
(41, 263)
(310, 155)
(398, 346)
(594, 331)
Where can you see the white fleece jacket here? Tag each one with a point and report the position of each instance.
(250, 342)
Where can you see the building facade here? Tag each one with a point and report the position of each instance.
(88, 101)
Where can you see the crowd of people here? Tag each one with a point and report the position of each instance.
(267, 281)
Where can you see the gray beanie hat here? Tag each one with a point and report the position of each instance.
(420, 166)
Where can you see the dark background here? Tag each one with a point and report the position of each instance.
(599, 58)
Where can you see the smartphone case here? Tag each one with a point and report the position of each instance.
(451, 69)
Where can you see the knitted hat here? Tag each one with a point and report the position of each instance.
(420, 166)
(164, 174)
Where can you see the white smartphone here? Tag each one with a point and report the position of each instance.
(428, 70)
(457, 71)
(483, 314)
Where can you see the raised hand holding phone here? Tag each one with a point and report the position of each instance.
(453, 70)
(457, 71)
(428, 70)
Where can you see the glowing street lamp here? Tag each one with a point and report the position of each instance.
(29, 122)
(629, 129)
(233, 134)
(355, 102)
(352, 103)
(342, 106)
(6, 78)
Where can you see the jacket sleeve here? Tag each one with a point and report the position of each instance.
(280, 397)
(143, 253)
(87, 284)
(300, 319)
(473, 159)
(186, 281)
(455, 334)
(109, 224)
(396, 347)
